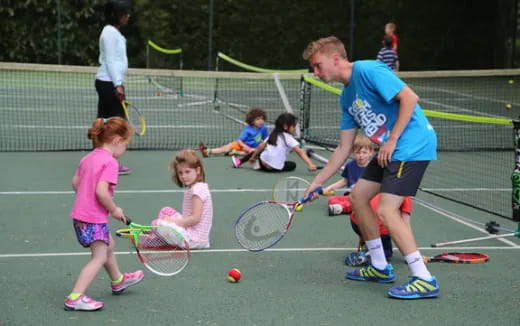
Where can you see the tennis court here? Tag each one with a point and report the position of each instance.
(47, 109)
(299, 282)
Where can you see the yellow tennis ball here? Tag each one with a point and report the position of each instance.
(508, 106)
(299, 208)
(234, 275)
(511, 81)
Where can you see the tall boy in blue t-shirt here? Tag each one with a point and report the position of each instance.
(377, 101)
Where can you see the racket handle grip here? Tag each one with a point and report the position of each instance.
(318, 190)
(128, 220)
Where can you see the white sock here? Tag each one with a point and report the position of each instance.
(377, 254)
(417, 266)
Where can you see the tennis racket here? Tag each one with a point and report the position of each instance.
(135, 118)
(156, 250)
(290, 189)
(459, 258)
(265, 223)
(127, 233)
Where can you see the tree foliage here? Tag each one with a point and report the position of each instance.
(443, 34)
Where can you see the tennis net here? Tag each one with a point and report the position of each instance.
(50, 107)
(471, 112)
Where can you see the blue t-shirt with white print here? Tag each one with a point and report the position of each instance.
(367, 102)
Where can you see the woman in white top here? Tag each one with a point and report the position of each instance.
(113, 63)
(272, 154)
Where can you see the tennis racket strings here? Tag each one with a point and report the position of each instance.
(262, 225)
(160, 256)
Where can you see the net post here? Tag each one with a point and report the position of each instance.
(148, 54)
(515, 176)
(181, 66)
(305, 98)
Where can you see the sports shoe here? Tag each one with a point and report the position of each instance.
(124, 170)
(128, 280)
(335, 209)
(203, 149)
(357, 258)
(256, 165)
(83, 303)
(236, 161)
(231, 152)
(373, 274)
(416, 288)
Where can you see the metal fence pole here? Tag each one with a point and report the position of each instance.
(58, 11)
(210, 37)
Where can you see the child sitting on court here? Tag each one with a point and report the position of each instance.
(363, 151)
(197, 208)
(251, 136)
(272, 154)
(360, 257)
(94, 183)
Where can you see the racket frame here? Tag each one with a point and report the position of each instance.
(482, 258)
(278, 184)
(142, 122)
(135, 230)
(289, 207)
(276, 240)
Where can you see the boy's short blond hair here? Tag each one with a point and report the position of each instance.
(326, 45)
(391, 26)
(361, 142)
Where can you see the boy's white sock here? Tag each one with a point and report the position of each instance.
(377, 254)
(417, 266)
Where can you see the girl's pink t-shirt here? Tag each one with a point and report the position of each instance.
(98, 165)
(200, 231)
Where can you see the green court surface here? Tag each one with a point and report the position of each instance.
(301, 281)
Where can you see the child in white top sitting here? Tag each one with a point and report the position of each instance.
(272, 154)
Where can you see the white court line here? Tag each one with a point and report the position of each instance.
(452, 217)
(466, 189)
(87, 253)
(85, 127)
(157, 191)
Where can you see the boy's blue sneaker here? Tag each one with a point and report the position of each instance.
(416, 288)
(357, 258)
(373, 274)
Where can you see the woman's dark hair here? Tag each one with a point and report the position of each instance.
(115, 9)
(283, 121)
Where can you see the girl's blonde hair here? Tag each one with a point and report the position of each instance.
(103, 130)
(190, 158)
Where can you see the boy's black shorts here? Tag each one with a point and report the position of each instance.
(398, 178)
